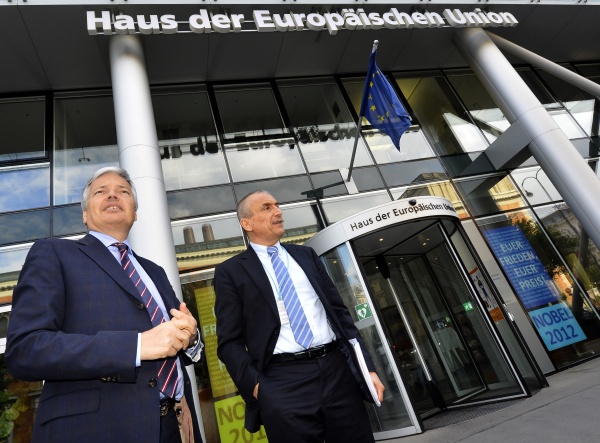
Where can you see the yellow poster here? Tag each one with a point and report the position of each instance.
(220, 380)
(230, 420)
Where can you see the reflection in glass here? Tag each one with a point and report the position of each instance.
(188, 143)
(22, 132)
(286, 189)
(323, 125)
(543, 282)
(203, 243)
(300, 223)
(556, 109)
(447, 124)
(535, 185)
(489, 195)
(339, 208)
(392, 414)
(263, 159)
(67, 220)
(24, 187)
(24, 226)
(196, 202)
(85, 140)
(328, 184)
(418, 171)
(12, 259)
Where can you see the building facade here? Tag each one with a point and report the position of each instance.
(204, 101)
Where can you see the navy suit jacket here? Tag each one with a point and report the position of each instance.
(74, 323)
(248, 323)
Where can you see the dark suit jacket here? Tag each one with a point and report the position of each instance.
(248, 323)
(75, 322)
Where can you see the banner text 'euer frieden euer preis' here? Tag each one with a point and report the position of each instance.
(107, 23)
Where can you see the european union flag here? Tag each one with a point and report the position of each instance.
(381, 106)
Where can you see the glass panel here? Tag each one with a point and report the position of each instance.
(221, 409)
(327, 184)
(413, 144)
(24, 226)
(24, 187)
(535, 185)
(300, 223)
(490, 194)
(339, 208)
(482, 108)
(256, 141)
(489, 297)
(67, 220)
(447, 124)
(284, 189)
(579, 103)
(22, 133)
(85, 140)
(366, 179)
(197, 202)
(12, 259)
(205, 242)
(323, 125)
(393, 413)
(556, 109)
(190, 152)
(567, 324)
(578, 251)
(412, 172)
(439, 189)
(468, 164)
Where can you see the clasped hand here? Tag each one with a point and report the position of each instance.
(170, 337)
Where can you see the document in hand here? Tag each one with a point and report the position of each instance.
(364, 370)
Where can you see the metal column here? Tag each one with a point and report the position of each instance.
(563, 164)
(151, 235)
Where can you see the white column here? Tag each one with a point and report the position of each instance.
(563, 164)
(151, 235)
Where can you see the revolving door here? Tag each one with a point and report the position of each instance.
(428, 315)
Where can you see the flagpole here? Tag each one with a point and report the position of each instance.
(375, 44)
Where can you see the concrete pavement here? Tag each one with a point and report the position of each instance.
(567, 411)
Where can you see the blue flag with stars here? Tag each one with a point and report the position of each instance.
(381, 106)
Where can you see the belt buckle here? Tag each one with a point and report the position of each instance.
(317, 352)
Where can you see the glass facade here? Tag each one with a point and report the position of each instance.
(294, 138)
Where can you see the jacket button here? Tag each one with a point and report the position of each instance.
(152, 383)
(140, 306)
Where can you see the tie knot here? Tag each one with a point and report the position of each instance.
(272, 250)
(122, 247)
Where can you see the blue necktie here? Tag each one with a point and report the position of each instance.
(167, 374)
(300, 327)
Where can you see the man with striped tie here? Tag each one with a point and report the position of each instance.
(103, 327)
(283, 334)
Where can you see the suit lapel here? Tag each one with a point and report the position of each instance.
(258, 275)
(94, 249)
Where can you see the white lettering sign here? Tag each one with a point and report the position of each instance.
(347, 19)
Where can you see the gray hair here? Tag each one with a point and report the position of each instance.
(99, 173)
(243, 207)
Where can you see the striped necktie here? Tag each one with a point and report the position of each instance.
(168, 376)
(300, 327)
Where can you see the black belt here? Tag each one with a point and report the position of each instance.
(316, 352)
(166, 404)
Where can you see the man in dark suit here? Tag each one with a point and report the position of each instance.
(81, 323)
(289, 365)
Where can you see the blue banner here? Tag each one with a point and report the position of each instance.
(524, 269)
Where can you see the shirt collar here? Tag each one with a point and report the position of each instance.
(261, 250)
(107, 240)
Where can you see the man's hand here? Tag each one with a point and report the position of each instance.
(168, 338)
(378, 385)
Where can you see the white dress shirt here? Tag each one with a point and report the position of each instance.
(313, 308)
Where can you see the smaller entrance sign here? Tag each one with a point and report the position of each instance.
(363, 311)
